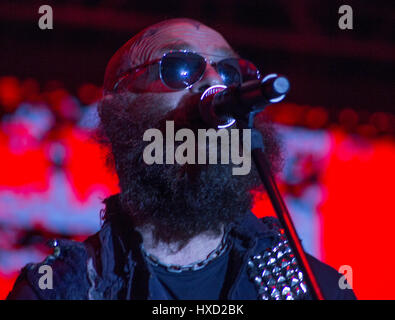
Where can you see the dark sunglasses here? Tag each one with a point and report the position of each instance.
(181, 69)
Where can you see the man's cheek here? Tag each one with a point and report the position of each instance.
(147, 81)
(157, 86)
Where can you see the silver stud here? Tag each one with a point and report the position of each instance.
(289, 296)
(294, 282)
(267, 254)
(264, 297)
(303, 287)
(275, 293)
(281, 279)
(285, 263)
(263, 289)
(266, 273)
(258, 280)
(276, 270)
(253, 274)
(285, 291)
(289, 272)
(271, 261)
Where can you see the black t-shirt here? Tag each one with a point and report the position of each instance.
(203, 284)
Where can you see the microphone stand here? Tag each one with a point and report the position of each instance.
(241, 104)
(268, 180)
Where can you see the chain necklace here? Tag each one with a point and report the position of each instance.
(153, 260)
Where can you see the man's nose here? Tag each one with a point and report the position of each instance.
(210, 78)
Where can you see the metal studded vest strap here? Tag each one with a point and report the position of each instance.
(275, 271)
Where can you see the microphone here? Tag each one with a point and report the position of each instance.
(220, 106)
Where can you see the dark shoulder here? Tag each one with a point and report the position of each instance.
(328, 280)
(22, 290)
(62, 275)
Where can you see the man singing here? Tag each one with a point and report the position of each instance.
(176, 231)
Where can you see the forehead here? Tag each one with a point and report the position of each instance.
(178, 36)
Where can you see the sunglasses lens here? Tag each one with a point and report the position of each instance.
(236, 71)
(179, 70)
(229, 70)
